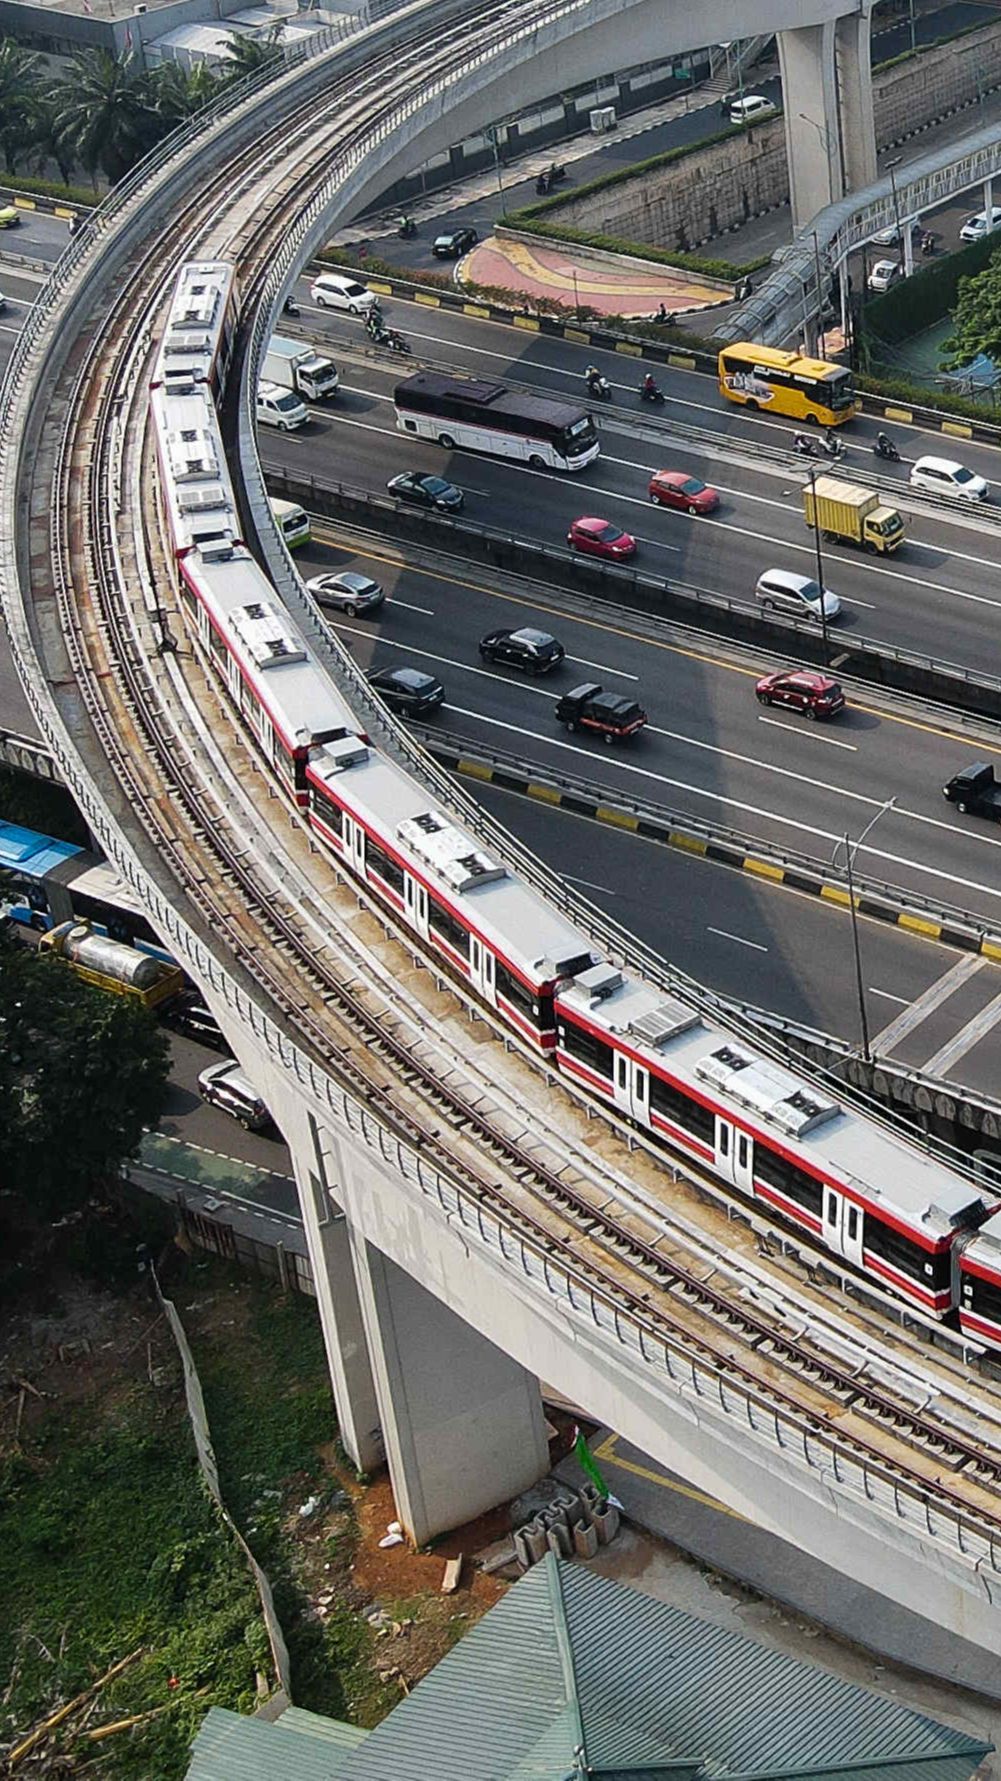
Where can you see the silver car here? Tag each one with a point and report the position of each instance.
(781, 590)
(347, 592)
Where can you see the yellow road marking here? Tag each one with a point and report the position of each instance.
(365, 548)
(605, 1453)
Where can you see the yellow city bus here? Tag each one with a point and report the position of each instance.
(785, 383)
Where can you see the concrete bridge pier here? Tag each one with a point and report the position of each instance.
(827, 97)
(462, 1422)
(858, 128)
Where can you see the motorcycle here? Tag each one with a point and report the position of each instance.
(832, 448)
(885, 448)
(927, 243)
(804, 446)
(665, 318)
(651, 392)
(600, 388)
(290, 306)
(407, 229)
(542, 185)
(394, 340)
(556, 173)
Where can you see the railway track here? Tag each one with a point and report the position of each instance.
(560, 1196)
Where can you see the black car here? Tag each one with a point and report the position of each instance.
(187, 1014)
(454, 244)
(408, 690)
(426, 491)
(535, 651)
(589, 707)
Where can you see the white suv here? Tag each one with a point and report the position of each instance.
(940, 476)
(331, 291)
(976, 227)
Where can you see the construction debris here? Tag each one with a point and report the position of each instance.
(453, 1572)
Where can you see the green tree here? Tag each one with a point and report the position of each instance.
(105, 113)
(977, 318)
(178, 93)
(19, 97)
(81, 1073)
(248, 55)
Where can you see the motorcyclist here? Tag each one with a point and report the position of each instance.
(651, 388)
(802, 442)
(884, 445)
(832, 443)
(594, 379)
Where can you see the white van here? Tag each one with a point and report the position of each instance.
(780, 590)
(751, 109)
(330, 291)
(293, 521)
(280, 408)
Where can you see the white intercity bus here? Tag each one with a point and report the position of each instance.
(477, 415)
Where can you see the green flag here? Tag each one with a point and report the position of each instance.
(585, 1459)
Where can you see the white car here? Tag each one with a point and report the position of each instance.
(883, 274)
(891, 237)
(976, 227)
(941, 476)
(749, 110)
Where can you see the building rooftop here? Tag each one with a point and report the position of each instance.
(573, 1675)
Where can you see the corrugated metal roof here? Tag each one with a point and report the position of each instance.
(493, 1708)
(229, 1747)
(747, 1710)
(337, 1731)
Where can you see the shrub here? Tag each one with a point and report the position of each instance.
(50, 188)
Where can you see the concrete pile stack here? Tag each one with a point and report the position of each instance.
(573, 1525)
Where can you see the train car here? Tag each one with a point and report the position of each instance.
(492, 930)
(863, 1193)
(980, 1284)
(289, 702)
(198, 498)
(200, 330)
(44, 881)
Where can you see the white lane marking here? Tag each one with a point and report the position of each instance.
(813, 732)
(602, 667)
(428, 611)
(930, 999)
(746, 809)
(902, 1001)
(589, 884)
(647, 470)
(739, 938)
(964, 1041)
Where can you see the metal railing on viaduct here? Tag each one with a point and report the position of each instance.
(429, 1180)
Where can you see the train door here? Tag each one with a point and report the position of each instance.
(734, 1154)
(354, 844)
(415, 899)
(843, 1225)
(481, 961)
(632, 1088)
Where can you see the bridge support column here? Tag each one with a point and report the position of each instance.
(330, 1253)
(462, 1422)
(858, 128)
(810, 100)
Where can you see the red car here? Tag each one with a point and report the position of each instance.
(815, 695)
(675, 488)
(599, 538)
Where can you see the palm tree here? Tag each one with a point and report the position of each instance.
(178, 92)
(19, 95)
(247, 55)
(105, 112)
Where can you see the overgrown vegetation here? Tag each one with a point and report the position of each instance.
(109, 1544)
(919, 301)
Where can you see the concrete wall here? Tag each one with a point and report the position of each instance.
(688, 204)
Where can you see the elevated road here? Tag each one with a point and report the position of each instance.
(487, 1218)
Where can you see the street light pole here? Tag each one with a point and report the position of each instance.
(851, 848)
(820, 565)
(890, 166)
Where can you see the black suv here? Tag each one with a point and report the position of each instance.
(535, 651)
(589, 707)
(453, 245)
(408, 690)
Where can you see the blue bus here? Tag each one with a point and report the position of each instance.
(44, 882)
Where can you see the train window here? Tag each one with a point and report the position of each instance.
(443, 923)
(723, 1140)
(983, 1296)
(852, 1224)
(683, 1110)
(188, 600)
(742, 1151)
(330, 814)
(517, 993)
(908, 1257)
(587, 1048)
(775, 1171)
(216, 644)
(388, 870)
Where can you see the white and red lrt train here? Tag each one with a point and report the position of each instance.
(911, 1224)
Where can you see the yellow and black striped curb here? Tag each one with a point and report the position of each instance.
(41, 202)
(881, 407)
(667, 831)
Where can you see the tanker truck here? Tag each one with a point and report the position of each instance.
(111, 965)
